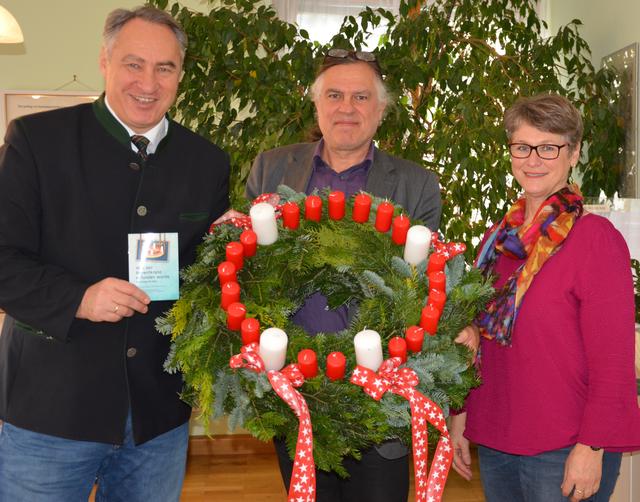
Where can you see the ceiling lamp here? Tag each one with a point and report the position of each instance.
(10, 32)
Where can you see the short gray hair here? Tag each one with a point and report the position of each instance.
(547, 112)
(119, 17)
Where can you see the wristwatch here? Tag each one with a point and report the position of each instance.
(596, 448)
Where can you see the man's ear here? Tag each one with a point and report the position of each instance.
(103, 61)
(382, 112)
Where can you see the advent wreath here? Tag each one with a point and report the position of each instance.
(350, 263)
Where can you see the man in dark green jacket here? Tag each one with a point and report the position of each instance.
(83, 394)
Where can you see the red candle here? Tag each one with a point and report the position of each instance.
(308, 363)
(429, 319)
(291, 215)
(436, 263)
(437, 280)
(249, 241)
(336, 205)
(400, 228)
(226, 272)
(230, 294)
(384, 216)
(414, 337)
(235, 315)
(398, 348)
(361, 208)
(235, 252)
(250, 330)
(437, 298)
(313, 208)
(336, 366)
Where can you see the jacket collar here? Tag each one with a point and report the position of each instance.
(382, 178)
(380, 182)
(298, 179)
(115, 128)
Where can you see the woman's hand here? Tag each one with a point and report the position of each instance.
(582, 472)
(461, 453)
(469, 337)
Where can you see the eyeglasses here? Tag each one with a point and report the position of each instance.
(368, 57)
(545, 152)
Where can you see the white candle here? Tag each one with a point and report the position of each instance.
(273, 348)
(416, 249)
(263, 223)
(368, 349)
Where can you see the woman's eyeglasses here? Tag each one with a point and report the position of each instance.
(545, 152)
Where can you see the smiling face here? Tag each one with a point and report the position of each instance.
(348, 107)
(540, 178)
(141, 73)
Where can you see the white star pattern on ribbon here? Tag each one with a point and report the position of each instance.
(401, 381)
(303, 476)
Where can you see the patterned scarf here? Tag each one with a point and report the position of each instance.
(536, 242)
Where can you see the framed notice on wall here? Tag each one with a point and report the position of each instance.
(14, 104)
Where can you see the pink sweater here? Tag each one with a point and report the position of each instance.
(569, 375)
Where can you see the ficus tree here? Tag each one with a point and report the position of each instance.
(452, 67)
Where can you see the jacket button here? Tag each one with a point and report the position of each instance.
(134, 166)
(141, 210)
(131, 352)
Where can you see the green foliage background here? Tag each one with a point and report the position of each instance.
(247, 74)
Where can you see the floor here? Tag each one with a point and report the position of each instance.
(244, 478)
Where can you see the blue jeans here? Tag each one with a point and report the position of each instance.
(41, 468)
(537, 478)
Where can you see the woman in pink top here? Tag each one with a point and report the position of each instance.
(558, 399)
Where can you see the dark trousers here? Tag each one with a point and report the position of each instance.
(371, 479)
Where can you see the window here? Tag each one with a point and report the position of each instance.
(323, 18)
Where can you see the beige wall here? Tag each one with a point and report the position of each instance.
(62, 39)
(608, 25)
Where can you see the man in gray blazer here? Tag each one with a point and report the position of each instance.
(350, 99)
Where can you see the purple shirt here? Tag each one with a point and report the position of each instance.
(315, 316)
(350, 181)
(569, 374)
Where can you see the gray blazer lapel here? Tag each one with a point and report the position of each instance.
(381, 181)
(299, 167)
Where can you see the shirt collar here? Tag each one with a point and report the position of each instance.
(317, 156)
(155, 135)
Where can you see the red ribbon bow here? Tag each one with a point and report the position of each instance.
(242, 220)
(402, 382)
(303, 476)
(447, 249)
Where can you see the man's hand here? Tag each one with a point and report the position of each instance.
(229, 215)
(461, 453)
(469, 337)
(582, 472)
(112, 299)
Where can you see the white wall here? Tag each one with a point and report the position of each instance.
(608, 25)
